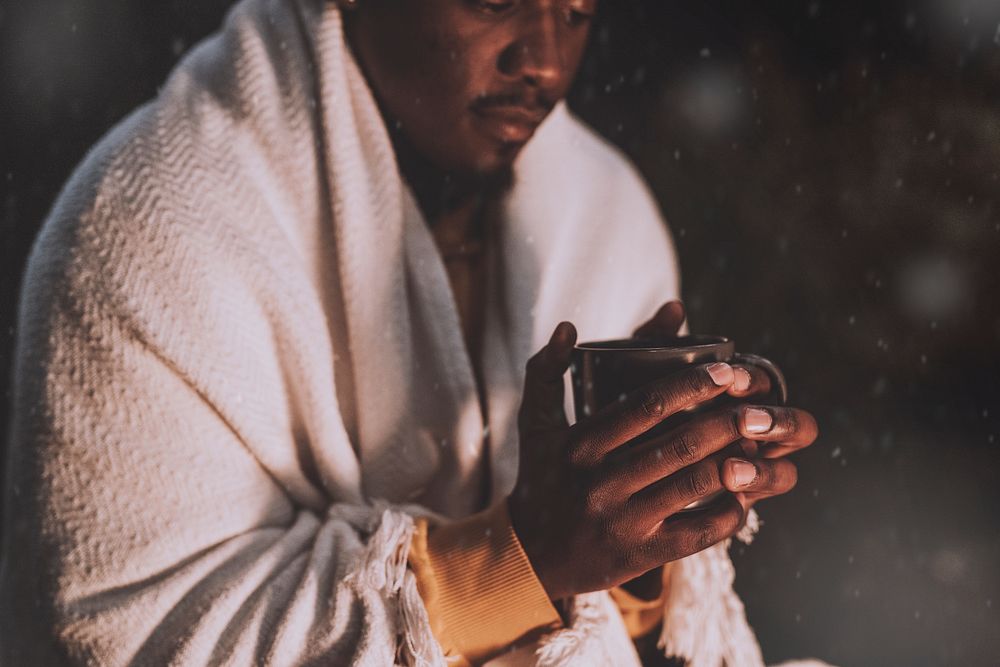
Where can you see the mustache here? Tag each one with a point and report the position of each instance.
(534, 102)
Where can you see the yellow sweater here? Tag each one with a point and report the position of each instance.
(483, 596)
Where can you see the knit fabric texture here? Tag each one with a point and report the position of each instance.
(240, 373)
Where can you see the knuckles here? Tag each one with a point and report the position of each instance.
(674, 393)
(684, 448)
(631, 559)
(579, 456)
(685, 443)
(729, 423)
(614, 530)
(694, 384)
(700, 482)
(716, 528)
(596, 502)
(652, 403)
(705, 535)
(684, 389)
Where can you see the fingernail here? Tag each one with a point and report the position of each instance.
(744, 472)
(757, 420)
(721, 374)
(742, 381)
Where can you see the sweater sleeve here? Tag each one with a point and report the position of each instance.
(480, 591)
(482, 595)
(143, 525)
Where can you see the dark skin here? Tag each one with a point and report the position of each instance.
(622, 505)
(462, 85)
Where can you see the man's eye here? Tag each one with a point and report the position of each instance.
(580, 13)
(575, 17)
(494, 6)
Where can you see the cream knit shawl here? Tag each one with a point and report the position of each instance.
(240, 375)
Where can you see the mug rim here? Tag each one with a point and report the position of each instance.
(703, 341)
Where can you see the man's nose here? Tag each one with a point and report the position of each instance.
(535, 55)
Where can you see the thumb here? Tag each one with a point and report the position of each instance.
(542, 401)
(665, 323)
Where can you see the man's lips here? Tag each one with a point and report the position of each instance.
(511, 123)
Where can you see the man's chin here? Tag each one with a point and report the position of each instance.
(496, 178)
(494, 170)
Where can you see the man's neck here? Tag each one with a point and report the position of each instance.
(448, 197)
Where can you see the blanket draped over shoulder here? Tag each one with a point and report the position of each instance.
(241, 375)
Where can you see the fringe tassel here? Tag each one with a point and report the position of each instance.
(382, 566)
(704, 623)
(596, 636)
(422, 647)
(750, 528)
(704, 620)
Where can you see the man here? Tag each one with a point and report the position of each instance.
(270, 366)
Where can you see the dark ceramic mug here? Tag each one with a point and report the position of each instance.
(605, 371)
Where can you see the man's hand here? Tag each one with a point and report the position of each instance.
(593, 509)
(769, 478)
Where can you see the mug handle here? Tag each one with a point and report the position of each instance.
(778, 384)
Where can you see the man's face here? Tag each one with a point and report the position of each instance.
(466, 82)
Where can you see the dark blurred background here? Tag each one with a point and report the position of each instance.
(831, 173)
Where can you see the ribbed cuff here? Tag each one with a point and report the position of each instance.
(480, 590)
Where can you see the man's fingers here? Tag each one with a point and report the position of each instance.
(643, 409)
(669, 495)
(788, 429)
(766, 477)
(638, 467)
(672, 494)
(666, 322)
(690, 532)
(750, 381)
(542, 401)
